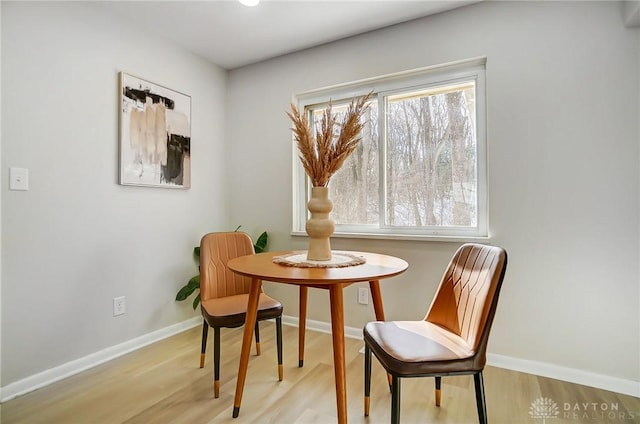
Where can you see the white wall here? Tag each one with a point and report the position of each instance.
(77, 239)
(563, 134)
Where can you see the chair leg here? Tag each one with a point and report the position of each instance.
(216, 362)
(257, 332)
(480, 399)
(203, 351)
(438, 383)
(395, 400)
(367, 379)
(279, 347)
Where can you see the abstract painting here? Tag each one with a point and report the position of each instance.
(155, 135)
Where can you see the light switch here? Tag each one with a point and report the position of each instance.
(18, 179)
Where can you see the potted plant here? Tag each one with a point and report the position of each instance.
(194, 283)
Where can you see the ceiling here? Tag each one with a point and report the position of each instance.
(232, 35)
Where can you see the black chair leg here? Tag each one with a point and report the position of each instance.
(395, 400)
(367, 379)
(257, 332)
(480, 399)
(203, 351)
(438, 393)
(216, 362)
(279, 347)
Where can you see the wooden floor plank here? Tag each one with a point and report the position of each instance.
(162, 383)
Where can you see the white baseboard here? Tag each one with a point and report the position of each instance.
(26, 385)
(68, 369)
(543, 369)
(572, 375)
(322, 327)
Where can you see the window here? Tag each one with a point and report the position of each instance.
(420, 169)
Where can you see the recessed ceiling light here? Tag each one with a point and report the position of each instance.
(250, 3)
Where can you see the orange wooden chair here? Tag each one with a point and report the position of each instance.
(224, 296)
(452, 338)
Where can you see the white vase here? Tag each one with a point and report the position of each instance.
(319, 227)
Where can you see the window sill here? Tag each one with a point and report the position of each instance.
(410, 237)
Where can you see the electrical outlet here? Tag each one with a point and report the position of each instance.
(119, 306)
(363, 295)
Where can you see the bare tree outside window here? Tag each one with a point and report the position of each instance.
(430, 162)
(354, 188)
(431, 158)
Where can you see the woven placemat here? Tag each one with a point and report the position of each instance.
(338, 260)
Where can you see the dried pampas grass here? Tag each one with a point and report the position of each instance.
(324, 154)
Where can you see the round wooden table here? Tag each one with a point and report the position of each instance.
(261, 267)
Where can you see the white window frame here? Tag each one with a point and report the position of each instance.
(389, 84)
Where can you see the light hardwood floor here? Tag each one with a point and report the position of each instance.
(162, 383)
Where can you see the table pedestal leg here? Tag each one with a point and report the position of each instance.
(337, 330)
(250, 322)
(302, 323)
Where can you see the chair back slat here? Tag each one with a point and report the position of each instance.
(465, 301)
(216, 279)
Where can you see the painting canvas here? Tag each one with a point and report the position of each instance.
(155, 135)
